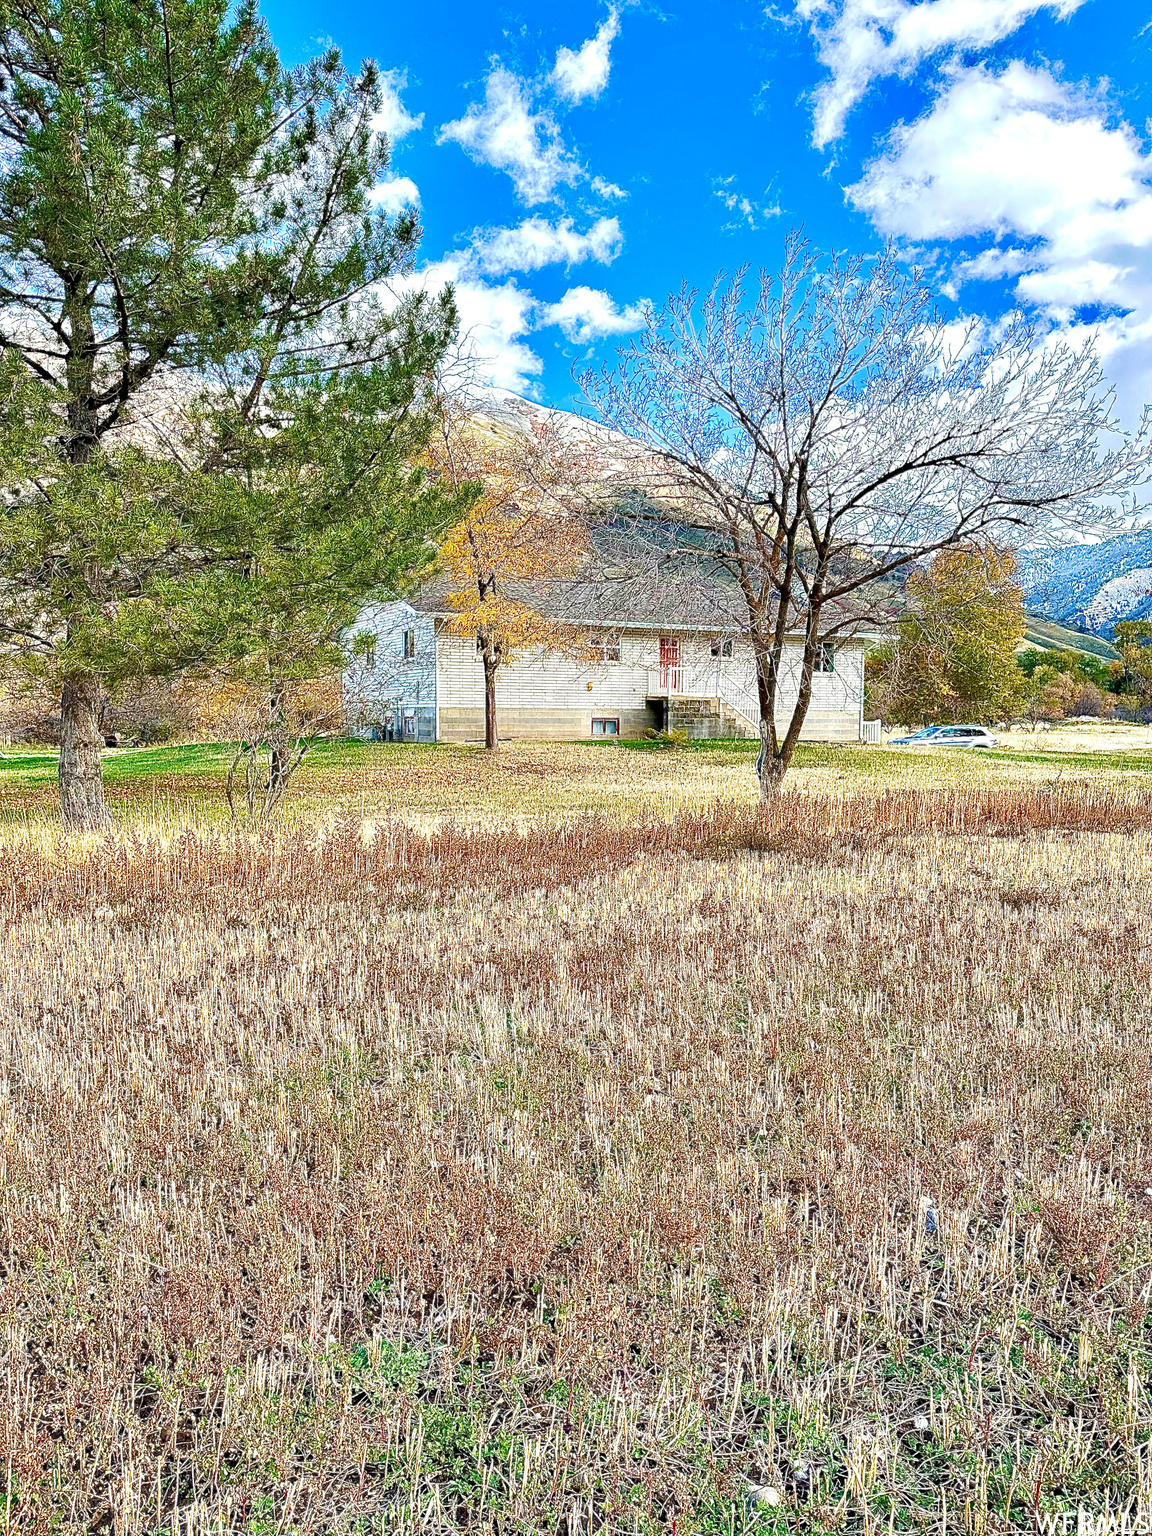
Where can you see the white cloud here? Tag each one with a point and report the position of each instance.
(587, 314)
(583, 71)
(607, 188)
(537, 243)
(860, 41)
(395, 194)
(494, 319)
(744, 210)
(1023, 157)
(508, 134)
(393, 118)
(1056, 194)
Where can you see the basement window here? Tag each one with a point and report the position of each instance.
(825, 659)
(722, 648)
(605, 726)
(409, 644)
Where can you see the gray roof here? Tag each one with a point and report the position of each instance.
(631, 602)
(607, 602)
(646, 576)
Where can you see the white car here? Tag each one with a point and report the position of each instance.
(961, 736)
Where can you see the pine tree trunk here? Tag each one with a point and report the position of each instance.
(491, 739)
(80, 444)
(81, 746)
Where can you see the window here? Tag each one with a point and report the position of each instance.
(370, 656)
(825, 659)
(721, 648)
(605, 727)
(605, 650)
(409, 644)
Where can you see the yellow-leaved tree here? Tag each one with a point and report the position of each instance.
(520, 534)
(955, 655)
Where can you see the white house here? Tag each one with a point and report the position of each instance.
(409, 677)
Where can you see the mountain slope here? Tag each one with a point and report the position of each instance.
(1072, 596)
(1047, 635)
(1090, 587)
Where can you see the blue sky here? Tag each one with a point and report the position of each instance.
(573, 159)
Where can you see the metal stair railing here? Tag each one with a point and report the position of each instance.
(742, 701)
(679, 685)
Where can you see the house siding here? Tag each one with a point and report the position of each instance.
(376, 695)
(543, 680)
(540, 724)
(549, 695)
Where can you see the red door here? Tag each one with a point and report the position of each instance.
(669, 664)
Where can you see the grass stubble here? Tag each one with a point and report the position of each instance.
(714, 1172)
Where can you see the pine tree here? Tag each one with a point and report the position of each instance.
(317, 429)
(189, 262)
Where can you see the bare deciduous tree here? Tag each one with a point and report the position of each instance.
(273, 728)
(804, 441)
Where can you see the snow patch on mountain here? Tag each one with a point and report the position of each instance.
(1091, 586)
(1120, 598)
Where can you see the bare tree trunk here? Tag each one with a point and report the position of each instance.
(491, 738)
(81, 745)
(770, 767)
(776, 753)
(279, 746)
(772, 779)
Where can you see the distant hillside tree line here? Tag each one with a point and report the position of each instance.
(1067, 683)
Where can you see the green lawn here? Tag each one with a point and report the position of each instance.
(187, 782)
(1081, 762)
(37, 765)
(162, 780)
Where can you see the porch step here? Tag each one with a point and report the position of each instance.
(706, 717)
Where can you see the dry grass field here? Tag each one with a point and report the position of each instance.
(562, 1145)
